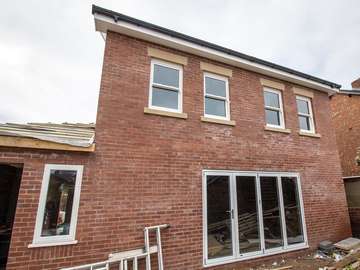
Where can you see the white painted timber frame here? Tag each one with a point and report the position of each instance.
(55, 240)
(233, 204)
(179, 89)
(280, 110)
(226, 99)
(105, 23)
(310, 115)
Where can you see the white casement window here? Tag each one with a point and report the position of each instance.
(251, 214)
(58, 205)
(305, 114)
(165, 86)
(274, 113)
(216, 96)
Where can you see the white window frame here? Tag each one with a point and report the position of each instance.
(233, 204)
(39, 240)
(166, 87)
(226, 99)
(280, 109)
(310, 115)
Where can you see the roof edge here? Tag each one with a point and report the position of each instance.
(349, 92)
(34, 143)
(118, 17)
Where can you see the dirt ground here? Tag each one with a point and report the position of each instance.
(306, 262)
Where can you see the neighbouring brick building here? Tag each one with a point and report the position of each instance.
(346, 115)
(236, 154)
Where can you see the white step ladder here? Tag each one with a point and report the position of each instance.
(123, 259)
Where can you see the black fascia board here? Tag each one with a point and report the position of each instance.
(121, 17)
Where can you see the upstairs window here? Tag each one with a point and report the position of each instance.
(58, 206)
(274, 114)
(165, 86)
(216, 92)
(306, 119)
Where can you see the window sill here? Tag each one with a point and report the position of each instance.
(307, 134)
(218, 121)
(53, 244)
(281, 130)
(165, 113)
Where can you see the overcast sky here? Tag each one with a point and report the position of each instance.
(51, 56)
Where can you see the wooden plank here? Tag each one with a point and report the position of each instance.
(19, 142)
(348, 259)
(283, 267)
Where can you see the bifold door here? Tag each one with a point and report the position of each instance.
(248, 215)
(220, 217)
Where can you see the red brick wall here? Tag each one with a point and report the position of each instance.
(20, 256)
(164, 157)
(356, 83)
(346, 117)
(147, 169)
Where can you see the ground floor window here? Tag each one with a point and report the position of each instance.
(251, 214)
(58, 204)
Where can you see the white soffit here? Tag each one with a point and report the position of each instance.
(104, 23)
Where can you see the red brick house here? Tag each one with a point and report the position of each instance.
(346, 115)
(235, 153)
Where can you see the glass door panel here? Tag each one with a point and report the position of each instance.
(271, 212)
(219, 220)
(294, 228)
(248, 220)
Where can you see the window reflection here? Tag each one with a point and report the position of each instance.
(292, 211)
(165, 98)
(59, 202)
(249, 239)
(215, 107)
(271, 212)
(253, 214)
(272, 117)
(218, 217)
(166, 76)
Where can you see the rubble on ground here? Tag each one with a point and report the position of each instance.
(344, 255)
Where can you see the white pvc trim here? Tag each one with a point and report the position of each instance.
(310, 115)
(280, 110)
(282, 211)
(39, 240)
(54, 244)
(226, 99)
(171, 88)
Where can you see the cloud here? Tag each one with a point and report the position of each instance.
(51, 57)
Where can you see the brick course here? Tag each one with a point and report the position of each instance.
(147, 169)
